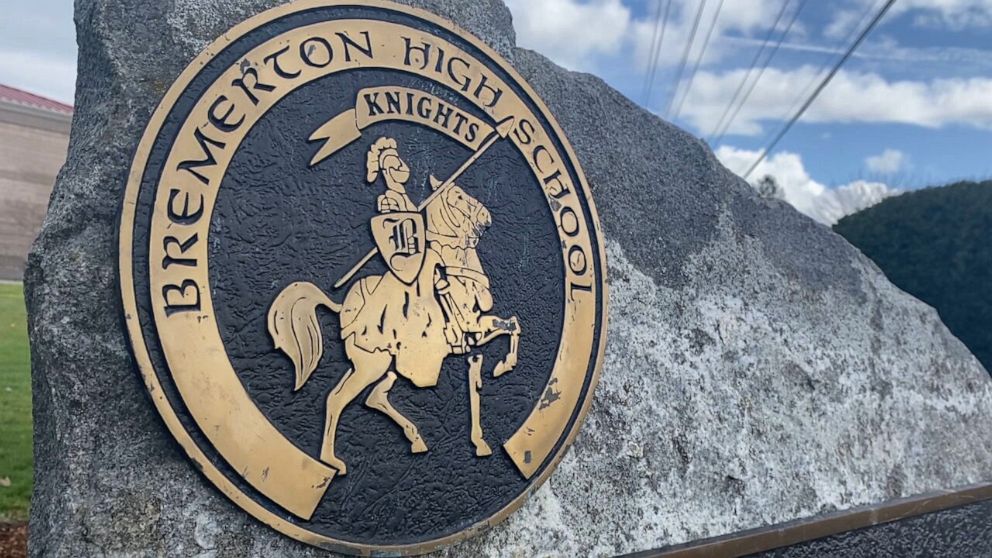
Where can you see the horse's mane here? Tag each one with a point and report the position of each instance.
(444, 226)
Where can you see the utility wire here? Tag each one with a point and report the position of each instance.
(761, 72)
(685, 55)
(819, 89)
(699, 58)
(655, 54)
(823, 68)
(654, 46)
(754, 64)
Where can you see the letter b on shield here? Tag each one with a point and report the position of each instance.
(400, 239)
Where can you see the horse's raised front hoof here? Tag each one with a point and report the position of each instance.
(482, 449)
(418, 446)
(503, 366)
(339, 465)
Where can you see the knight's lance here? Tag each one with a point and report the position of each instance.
(502, 130)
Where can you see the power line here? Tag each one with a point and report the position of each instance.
(685, 55)
(651, 52)
(761, 72)
(754, 64)
(699, 58)
(823, 68)
(656, 51)
(819, 89)
(733, 116)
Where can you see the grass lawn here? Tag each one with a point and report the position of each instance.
(15, 405)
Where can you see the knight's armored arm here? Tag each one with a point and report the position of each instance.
(385, 204)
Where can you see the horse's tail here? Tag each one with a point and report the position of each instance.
(294, 327)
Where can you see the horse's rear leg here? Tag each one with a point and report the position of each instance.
(368, 367)
(474, 385)
(379, 400)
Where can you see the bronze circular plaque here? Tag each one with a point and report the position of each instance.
(363, 276)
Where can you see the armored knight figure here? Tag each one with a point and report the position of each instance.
(385, 159)
(447, 250)
(405, 234)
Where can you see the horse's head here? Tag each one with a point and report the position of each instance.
(459, 216)
(469, 211)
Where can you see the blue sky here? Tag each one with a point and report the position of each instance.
(912, 108)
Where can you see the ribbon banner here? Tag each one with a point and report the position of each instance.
(388, 103)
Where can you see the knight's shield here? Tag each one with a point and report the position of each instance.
(401, 241)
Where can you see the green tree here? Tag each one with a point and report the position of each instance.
(936, 244)
(768, 187)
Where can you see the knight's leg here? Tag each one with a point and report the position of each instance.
(379, 400)
(368, 367)
(454, 326)
(474, 385)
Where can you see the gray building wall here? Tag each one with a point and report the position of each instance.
(33, 145)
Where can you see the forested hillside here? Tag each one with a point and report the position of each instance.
(936, 244)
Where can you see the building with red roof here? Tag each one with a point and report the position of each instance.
(13, 96)
(34, 136)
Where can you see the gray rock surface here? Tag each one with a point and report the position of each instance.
(759, 369)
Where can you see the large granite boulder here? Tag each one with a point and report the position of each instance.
(759, 369)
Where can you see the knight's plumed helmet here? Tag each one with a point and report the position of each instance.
(382, 155)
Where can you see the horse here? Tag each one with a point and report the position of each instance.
(390, 328)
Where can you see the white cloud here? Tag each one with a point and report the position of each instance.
(747, 17)
(826, 205)
(935, 60)
(569, 32)
(887, 162)
(955, 14)
(850, 97)
(950, 14)
(579, 33)
(39, 73)
(38, 47)
(846, 21)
